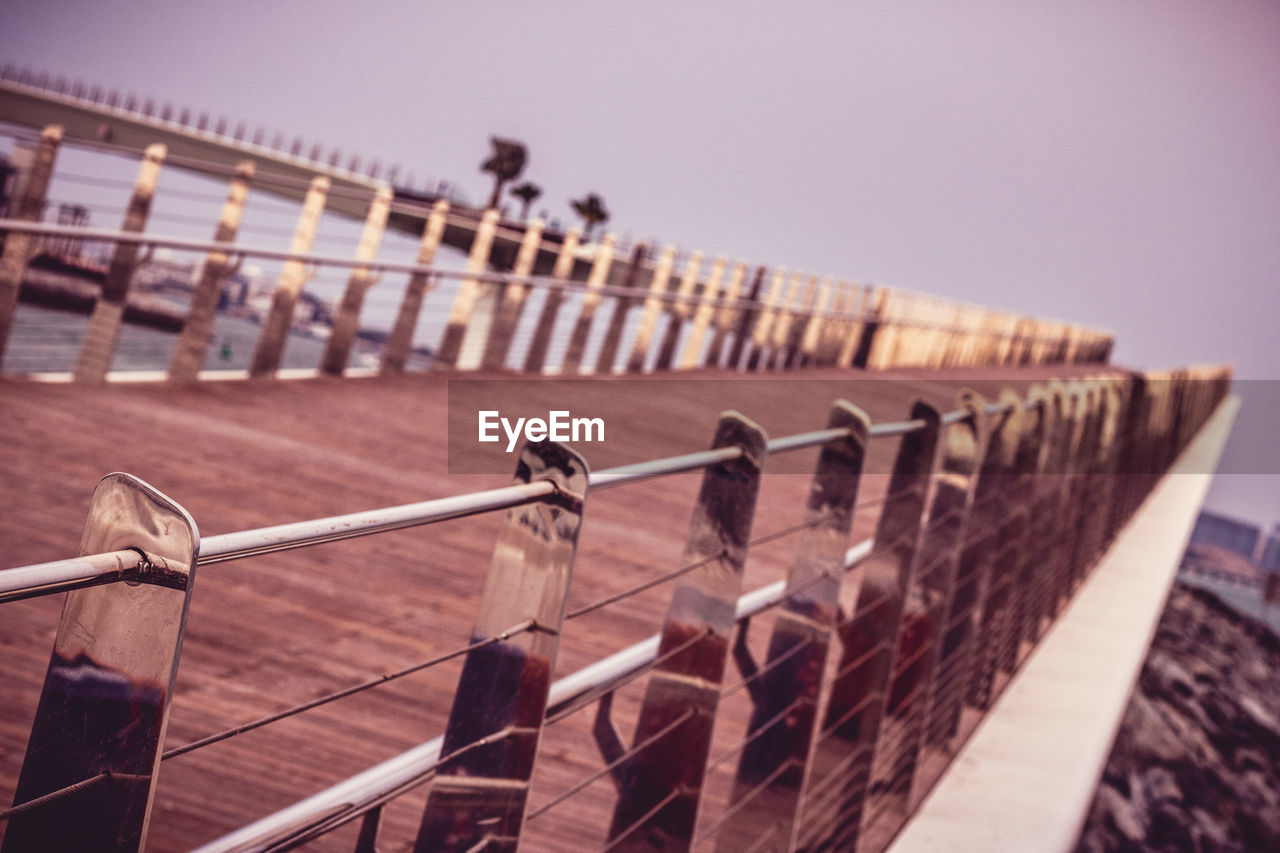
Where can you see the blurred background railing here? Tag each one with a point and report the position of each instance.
(528, 297)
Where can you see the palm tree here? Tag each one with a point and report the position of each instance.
(527, 193)
(505, 164)
(592, 211)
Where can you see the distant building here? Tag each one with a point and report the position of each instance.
(1224, 532)
(1270, 561)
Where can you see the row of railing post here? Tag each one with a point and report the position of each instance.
(993, 515)
(797, 320)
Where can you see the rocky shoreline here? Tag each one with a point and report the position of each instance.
(1196, 763)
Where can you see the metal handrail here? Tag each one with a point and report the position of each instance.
(45, 229)
(353, 794)
(75, 573)
(78, 572)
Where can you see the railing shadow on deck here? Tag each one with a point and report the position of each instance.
(881, 659)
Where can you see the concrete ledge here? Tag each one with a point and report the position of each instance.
(1026, 778)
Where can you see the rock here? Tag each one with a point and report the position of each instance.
(1196, 762)
(1160, 785)
(1120, 814)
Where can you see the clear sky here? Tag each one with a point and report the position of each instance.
(1115, 164)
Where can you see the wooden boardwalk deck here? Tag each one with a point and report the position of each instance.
(268, 632)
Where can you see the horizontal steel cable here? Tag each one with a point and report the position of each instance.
(683, 570)
(768, 667)
(742, 803)
(343, 817)
(69, 790)
(754, 735)
(649, 584)
(640, 821)
(527, 625)
(635, 750)
(649, 666)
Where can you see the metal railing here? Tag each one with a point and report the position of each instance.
(564, 307)
(881, 658)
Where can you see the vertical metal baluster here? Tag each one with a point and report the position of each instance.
(799, 321)
(840, 770)
(400, 342)
(193, 342)
(874, 305)
(726, 314)
(346, 321)
(691, 356)
(784, 319)
(1067, 529)
(678, 313)
(462, 315)
(652, 309)
(621, 309)
(1077, 545)
(367, 840)
(269, 351)
(535, 360)
(913, 685)
(683, 692)
(761, 332)
(983, 576)
(854, 333)
(514, 296)
(98, 346)
(747, 318)
(28, 208)
(1005, 613)
(786, 697)
(811, 337)
(591, 299)
(502, 691)
(106, 697)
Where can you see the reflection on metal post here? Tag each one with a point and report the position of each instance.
(1045, 509)
(658, 801)
(1065, 531)
(480, 795)
(105, 701)
(983, 568)
(1009, 597)
(772, 767)
(915, 682)
(840, 771)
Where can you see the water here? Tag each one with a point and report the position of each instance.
(45, 340)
